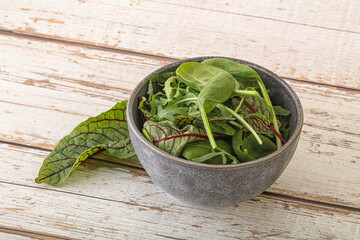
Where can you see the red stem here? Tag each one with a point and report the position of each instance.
(271, 127)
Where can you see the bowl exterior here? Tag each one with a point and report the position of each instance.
(215, 185)
(210, 186)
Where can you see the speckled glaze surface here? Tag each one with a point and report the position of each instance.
(216, 185)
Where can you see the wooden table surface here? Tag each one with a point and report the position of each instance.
(63, 61)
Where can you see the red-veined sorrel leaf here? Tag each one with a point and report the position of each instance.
(258, 120)
(183, 121)
(106, 131)
(266, 123)
(169, 138)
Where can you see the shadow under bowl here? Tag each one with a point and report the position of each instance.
(216, 185)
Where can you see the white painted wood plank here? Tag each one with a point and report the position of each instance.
(107, 202)
(40, 104)
(340, 15)
(9, 236)
(292, 50)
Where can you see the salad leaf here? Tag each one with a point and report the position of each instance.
(237, 143)
(171, 139)
(201, 151)
(106, 131)
(279, 111)
(254, 150)
(196, 75)
(245, 75)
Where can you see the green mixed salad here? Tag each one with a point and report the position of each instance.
(215, 112)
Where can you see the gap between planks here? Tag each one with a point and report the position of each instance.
(31, 234)
(99, 47)
(309, 203)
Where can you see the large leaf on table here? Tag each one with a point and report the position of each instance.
(106, 131)
(171, 139)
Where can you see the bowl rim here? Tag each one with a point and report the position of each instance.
(290, 142)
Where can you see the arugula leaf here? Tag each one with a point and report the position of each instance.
(145, 109)
(157, 83)
(170, 112)
(106, 131)
(171, 139)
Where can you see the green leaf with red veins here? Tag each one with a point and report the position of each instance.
(106, 131)
(171, 139)
(259, 121)
(183, 121)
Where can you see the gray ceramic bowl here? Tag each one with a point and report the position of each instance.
(216, 185)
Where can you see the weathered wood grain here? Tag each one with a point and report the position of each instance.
(21, 234)
(106, 201)
(335, 15)
(303, 50)
(47, 88)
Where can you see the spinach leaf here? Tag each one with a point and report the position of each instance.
(279, 111)
(215, 86)
(171, 139)
(217, 126)
(202, 151)
(237, 143)
(247, 76)
(196, 75)
(254, 150)
(106, 131)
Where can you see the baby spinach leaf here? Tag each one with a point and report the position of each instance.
(247, 76)
(217, 126)
(215, 86)
(279, 111)
(217, 90)
(196, 75)
(243, 73)
(106, 131)
(202, 151)
(254, 150)
(171, 139)
(237, 142)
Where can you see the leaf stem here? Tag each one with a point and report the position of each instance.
(238, 117)
(236, 124)
(268, 102)
(240, 104)
(206, 124)
(245, 93)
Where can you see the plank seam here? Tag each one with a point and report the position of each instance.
(31, 234)
(305, 201)
(266, 194)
